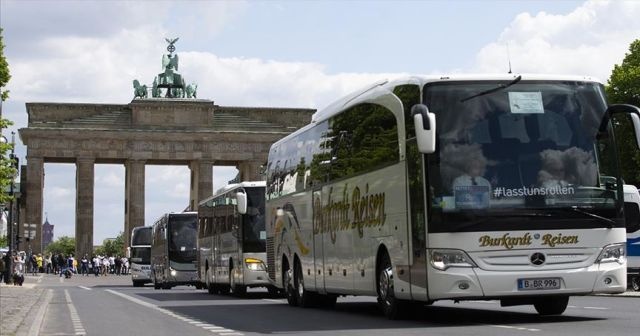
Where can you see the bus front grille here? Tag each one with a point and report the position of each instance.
(271, 260)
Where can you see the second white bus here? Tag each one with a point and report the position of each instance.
(174, 250)
(231, 239)
(140, 255)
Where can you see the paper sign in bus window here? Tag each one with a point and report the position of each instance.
(471, 197)
(526, 102)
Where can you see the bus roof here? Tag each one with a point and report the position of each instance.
(232, 186)
(420, 80)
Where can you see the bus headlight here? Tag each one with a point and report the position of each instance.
(442, 259)
(254, 264)
(613, 253)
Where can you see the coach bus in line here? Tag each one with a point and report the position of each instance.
(174, 250)
(632, 208)
(231, 239)
(140, 255)
(462, 187)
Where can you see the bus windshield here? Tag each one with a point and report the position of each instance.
(254, 234)
(530, 149)
(141, 236)
(141, 255)
(182, 241)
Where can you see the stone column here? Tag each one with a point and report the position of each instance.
(250, 171)
(84, 206)
(33, 215)
(201, 182)
(134, 197)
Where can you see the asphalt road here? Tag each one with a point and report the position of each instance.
(111, 306)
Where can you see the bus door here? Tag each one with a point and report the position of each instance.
(418, 221)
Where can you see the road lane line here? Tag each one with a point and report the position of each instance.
(512, 327)
(200, 324)
(75, 318)
(597, 308)
(83, 287)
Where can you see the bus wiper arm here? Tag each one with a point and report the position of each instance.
(609, 221)
(498, 88)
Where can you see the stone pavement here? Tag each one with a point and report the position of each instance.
(21, 306)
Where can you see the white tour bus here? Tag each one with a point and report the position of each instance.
(231, 239)
(174, 249)
(632, 209)
(140, 255)
(460, 187)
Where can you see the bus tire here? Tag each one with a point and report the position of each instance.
(287, 283)
(392, 307)
(551, 305)
(237, 290)
(635, 283)
(211, 289)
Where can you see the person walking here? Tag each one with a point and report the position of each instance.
(84, 264)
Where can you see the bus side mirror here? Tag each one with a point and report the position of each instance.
(241, 197)
(631, 110)
(425, 126)
(635, 119)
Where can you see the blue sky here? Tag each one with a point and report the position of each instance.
(276, 53)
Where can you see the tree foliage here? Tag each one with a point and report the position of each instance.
(65, 245)
(7, 171)
(624, 87)
(112, 247)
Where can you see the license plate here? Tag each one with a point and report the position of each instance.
(538, 283)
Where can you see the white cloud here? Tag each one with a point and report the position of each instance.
(587, 41)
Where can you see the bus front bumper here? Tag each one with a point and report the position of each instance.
(474, 283)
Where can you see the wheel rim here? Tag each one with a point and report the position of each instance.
(300, 283)
(385, 283)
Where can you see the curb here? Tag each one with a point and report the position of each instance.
(30, 324)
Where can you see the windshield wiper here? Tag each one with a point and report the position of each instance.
(498, 88)
(609, 221)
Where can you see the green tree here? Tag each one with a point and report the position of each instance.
(7, 171)
(4, 241)
(624, 87)
(65, 245)
(112, 247)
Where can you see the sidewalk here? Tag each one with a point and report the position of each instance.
(20, 306)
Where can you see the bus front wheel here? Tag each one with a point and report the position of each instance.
(551, 305)
(392, 307)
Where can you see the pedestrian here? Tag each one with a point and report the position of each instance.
(18, 270)
(2, 267)
(118, 263)
(96, 265)
(39, 262)
(84, 264)
(7, 267)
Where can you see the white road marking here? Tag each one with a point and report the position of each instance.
(205, 326)
(598, 308)
(515, 328)
(83, 287)
(75, 318)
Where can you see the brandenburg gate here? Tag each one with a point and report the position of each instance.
(166, 129)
